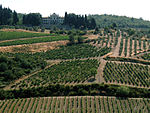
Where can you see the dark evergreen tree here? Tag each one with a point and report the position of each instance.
(32, 19)
(15, 18)
(5, 16)
(79, 21)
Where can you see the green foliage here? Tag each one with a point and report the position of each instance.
(123, 91)
(80, 40)
(121, 21)
(67, 90)
(71, 39)
(15, 18)
(17, 65)
(33, 19)
(79, 21)
(5, 16)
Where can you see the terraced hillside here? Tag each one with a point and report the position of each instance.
(112, 57)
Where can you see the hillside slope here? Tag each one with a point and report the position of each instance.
(121, 21)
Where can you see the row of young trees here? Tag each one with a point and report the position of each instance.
(79, 21)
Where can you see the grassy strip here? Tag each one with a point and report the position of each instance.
(34, 40)
(9, 35)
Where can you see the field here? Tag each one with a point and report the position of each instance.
(9, 35)
(80, 104)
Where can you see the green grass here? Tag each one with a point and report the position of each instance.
(9, 35)
(34, 40)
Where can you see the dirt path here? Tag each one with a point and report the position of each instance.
(25, 77)
(99, 75)
(116, 49)
(123, 49)
(133, 52)
(128, 48)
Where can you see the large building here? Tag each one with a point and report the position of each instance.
(54, 19)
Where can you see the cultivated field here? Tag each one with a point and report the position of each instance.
(76, 104)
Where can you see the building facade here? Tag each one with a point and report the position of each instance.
(53, 19)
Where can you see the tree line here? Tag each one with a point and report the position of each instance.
(79, 21)
(9, 17)
(77, 90)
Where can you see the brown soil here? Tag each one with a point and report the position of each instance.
(128, 48)
(123, 49)
(99, 75)
(91, 36)
(116, 49)
(38, 47)
(132, 48)
(138, 47)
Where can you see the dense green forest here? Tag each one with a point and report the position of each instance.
(119, 21)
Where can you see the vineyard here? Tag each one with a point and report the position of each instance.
(64, 72)
(133, 46)
(9, 35)
(75, 51)
(126, 73)
(80, 104)
(83, 73)
(109, 40)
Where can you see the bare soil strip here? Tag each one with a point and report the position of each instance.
(123, 49)
(116, 49)
(128, 48)
(132, 48)
(99, 75)
(142, 48)
(138, 47)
